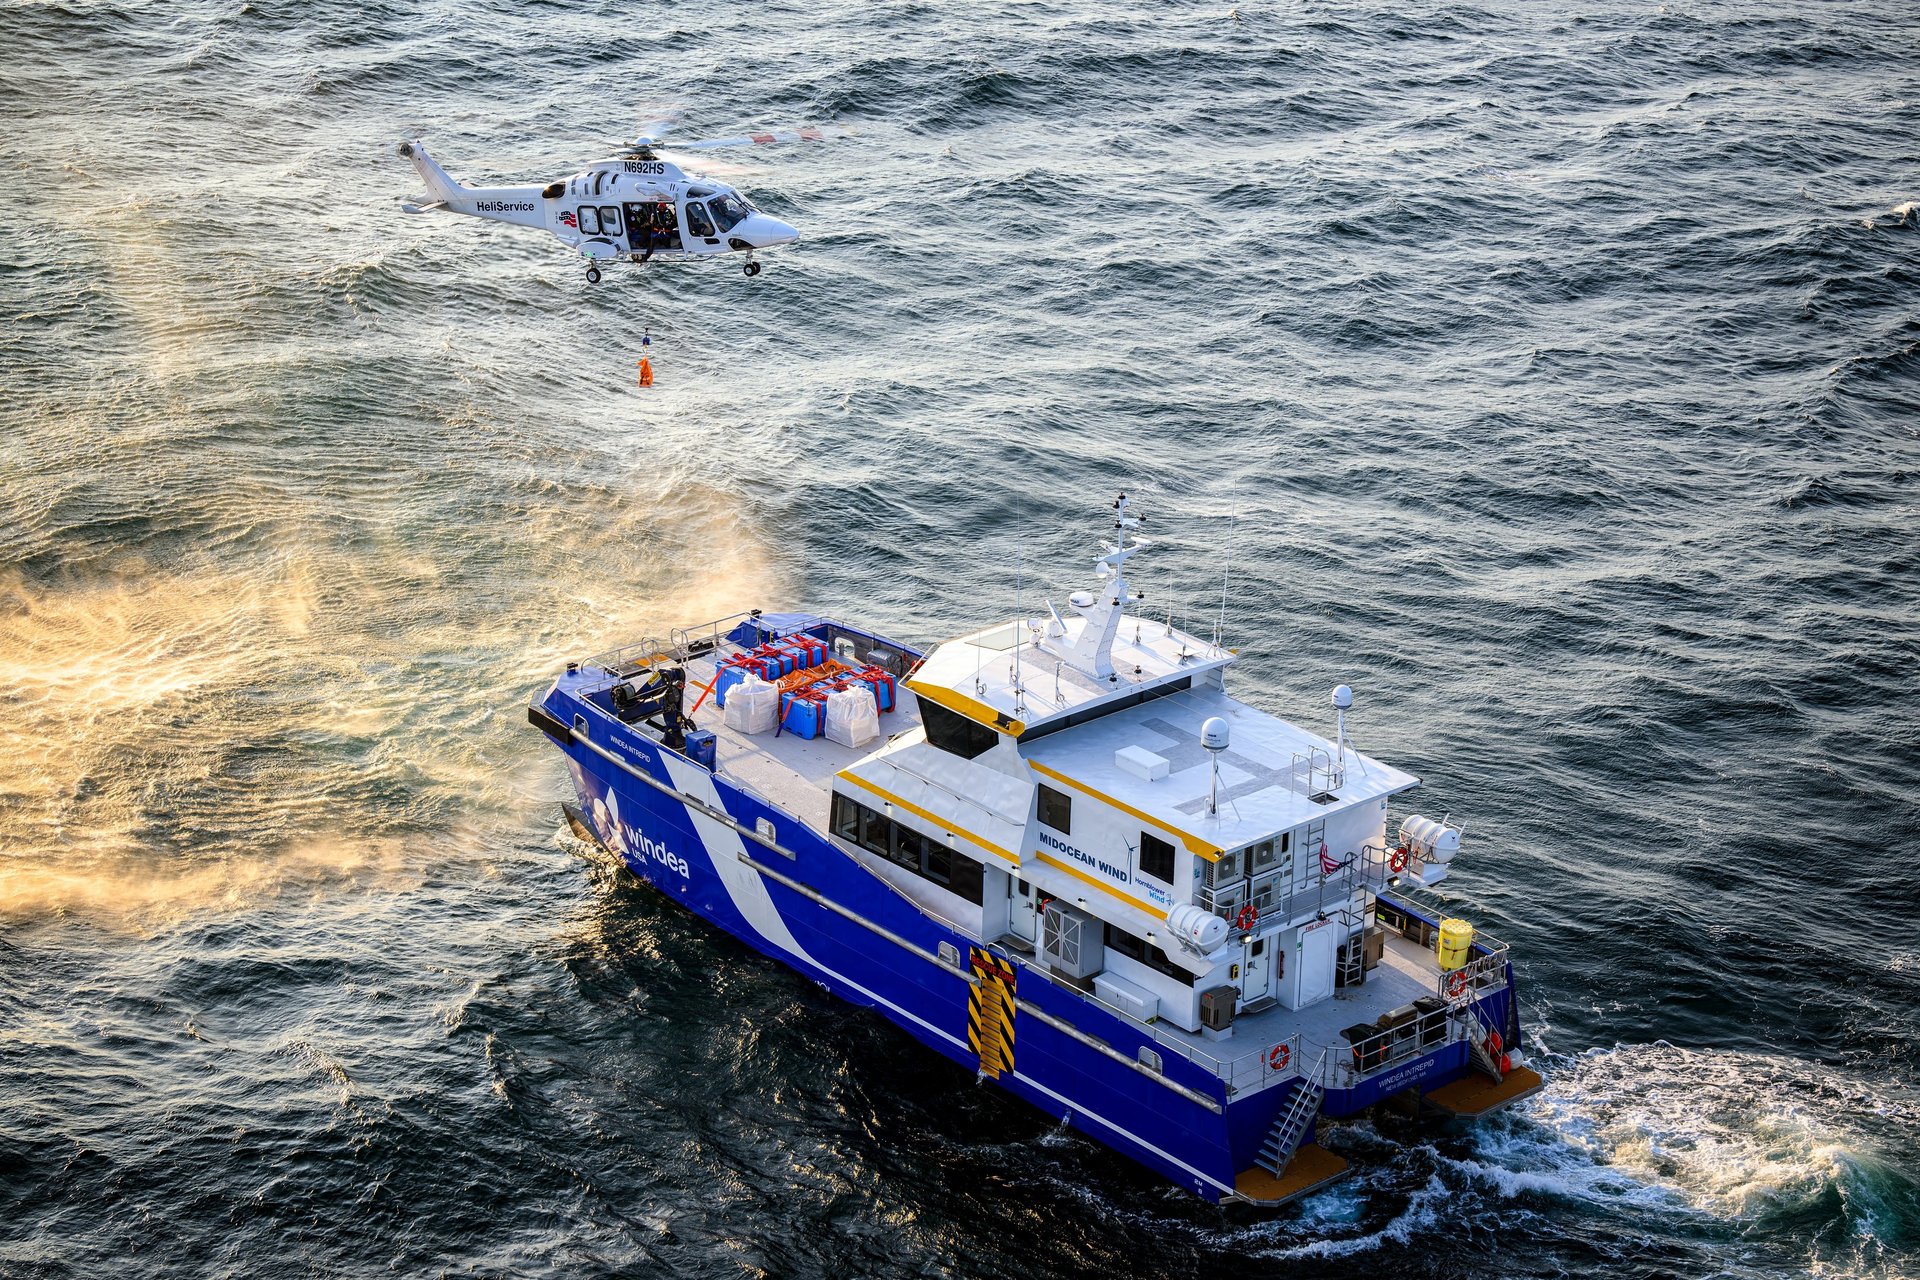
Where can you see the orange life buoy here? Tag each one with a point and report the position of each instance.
(1399, 859)
(1456, 984)
(1249, 916)
(1279, 1056)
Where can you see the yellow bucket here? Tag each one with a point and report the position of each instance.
(1456, 941)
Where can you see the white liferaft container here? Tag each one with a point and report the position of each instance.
(853, 718)
(753, 706)
(1197, 925)
(1432, 841)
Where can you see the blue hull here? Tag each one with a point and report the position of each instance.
(1182, 1121)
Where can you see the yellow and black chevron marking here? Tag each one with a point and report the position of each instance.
(990, 1013)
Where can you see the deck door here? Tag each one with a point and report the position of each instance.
(1020, 915)
(1256, 970)
(1316, 963)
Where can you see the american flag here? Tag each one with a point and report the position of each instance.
(1328, 863)
(566, 220)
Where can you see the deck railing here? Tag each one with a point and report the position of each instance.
(1255, 1069)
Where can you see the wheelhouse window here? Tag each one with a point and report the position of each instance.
(1156, 857)
(846, 820)
(1145, 952)
(951, 731)
(697, 220)
(589, 220)
(610, 219)
(876, 835)
(1056, 809)
(925, 857)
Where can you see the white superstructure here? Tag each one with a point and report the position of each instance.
(1072, 756)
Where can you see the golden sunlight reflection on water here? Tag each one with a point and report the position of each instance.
(180, 740)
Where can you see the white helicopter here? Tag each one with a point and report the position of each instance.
(632, 207)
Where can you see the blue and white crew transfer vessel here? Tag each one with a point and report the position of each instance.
(1059, 852)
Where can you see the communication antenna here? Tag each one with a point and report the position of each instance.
(1226, 576)
(1019, 625)
(1342, 703)
(1213, 736)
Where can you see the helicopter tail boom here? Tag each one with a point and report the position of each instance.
(502, 204)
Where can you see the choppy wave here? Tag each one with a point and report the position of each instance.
(1545, 375)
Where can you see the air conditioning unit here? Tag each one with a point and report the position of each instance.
(1230, 867)
(1268, 893)
(1072, 942)
(1269, 855)
(1226, 900)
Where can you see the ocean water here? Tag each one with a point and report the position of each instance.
(1549, 372)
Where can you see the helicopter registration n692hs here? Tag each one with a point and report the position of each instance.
(632, 207)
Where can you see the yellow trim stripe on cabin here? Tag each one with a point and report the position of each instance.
(961, 704)
(943, 823)
(1194, 843)
(1078, 874)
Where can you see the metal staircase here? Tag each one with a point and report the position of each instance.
(1295, 1121)
(1480, 1033)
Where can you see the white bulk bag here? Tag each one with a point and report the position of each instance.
(853, 718)
(752, 706)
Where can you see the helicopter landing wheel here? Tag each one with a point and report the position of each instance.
(593, 275)
(752, 268)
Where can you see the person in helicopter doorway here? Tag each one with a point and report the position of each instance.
(666, 228)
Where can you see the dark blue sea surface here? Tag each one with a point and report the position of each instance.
(1548, 372)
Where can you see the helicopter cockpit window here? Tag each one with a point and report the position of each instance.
(610, 219)
(727, 211)
(589, 220)
(697, 220)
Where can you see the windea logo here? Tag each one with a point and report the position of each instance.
(659, 853)
(1118, 874)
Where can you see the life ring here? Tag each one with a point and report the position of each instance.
(1249, 916)
(1399, 859)
(1456, 984)
(1279, 1056)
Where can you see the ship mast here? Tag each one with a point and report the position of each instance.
(1092, 650)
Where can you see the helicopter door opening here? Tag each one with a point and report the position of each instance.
(639, 228)
(655, 227)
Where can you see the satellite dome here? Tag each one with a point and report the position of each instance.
(1342, 697)
(1213, 734)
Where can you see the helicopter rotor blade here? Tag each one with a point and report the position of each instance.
(650, 130)
(812, 133)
